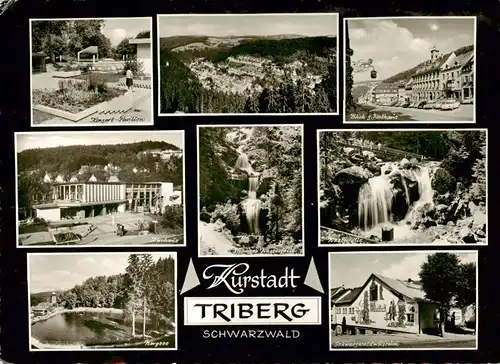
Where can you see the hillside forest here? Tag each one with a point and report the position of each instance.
(428, 186)
(146, 288)
(250, 190)
(181, 89)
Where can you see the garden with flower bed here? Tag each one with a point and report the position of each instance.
(76, 95)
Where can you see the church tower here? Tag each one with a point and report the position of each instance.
(434, 53)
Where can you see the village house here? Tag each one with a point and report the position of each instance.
(44, 308)
(451, 75)
(387, 304)
(385, 93)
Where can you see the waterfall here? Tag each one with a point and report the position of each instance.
(242, 164)
(252, 205)
(425, 190)
(375, 202)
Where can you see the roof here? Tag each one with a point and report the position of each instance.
(113, 179)
(139, 41)
(91, 49)
(409, 289)
(336, 292)
(386, 87)
(350, 297)
(459, 61)
(430, 66)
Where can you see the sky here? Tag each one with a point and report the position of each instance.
(55, 272)
(119, 28)
(240, 25)
(54, 139)
(399, 44)
(353, 269)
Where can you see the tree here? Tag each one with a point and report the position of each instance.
(143, 34)
(466, 294)
(43, 33)
(366, 309)
(478, 188)
(440, 276)
(125, 49)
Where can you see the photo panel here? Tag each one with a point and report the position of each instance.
(402, 187)
(410, 69)
(409, 300)
(220, 64)
(250, 190)
(91, 72)
(102, 301)
(95, 189)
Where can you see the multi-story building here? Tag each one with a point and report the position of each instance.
(468, 80)
(90, 199)
(385, 92)
(441, 77)
(451, 75)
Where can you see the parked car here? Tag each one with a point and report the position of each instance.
(395, 103)
(421, 104)
(429, 105)
(437, 104)
(405, 104)
(469, 100)
(450, 105)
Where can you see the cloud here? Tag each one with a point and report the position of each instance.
(85, 262)
(409, 267)
(54, 281)
(116, 35)
(358, 34)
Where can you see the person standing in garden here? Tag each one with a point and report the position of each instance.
(130, 79)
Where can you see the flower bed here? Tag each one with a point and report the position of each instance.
(77, 96)
(67, 237)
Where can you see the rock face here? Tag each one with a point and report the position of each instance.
(405, 163)
(442, 181)
(353, 175)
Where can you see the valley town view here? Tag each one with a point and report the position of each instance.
(409, 69)
(256, 72)
(100, 194)
(131, 303)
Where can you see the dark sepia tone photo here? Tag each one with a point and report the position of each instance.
(403, 187)
(100, 188)
(403, 300)
(413, 69)
(248, 63)
(91, 72)
(250, 191)
(102, 301)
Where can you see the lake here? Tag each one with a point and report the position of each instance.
(90, 328)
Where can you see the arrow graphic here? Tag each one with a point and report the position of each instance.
(312, 278)
(191, 281)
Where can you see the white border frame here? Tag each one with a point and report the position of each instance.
(374, 348)
(354, 122)
(301, 126)
(72, 124)
(318, 181)
(35, 133)
(176, 305)
(222, 15)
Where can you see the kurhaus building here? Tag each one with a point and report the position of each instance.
(90, 199)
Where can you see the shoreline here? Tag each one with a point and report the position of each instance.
(59, 311)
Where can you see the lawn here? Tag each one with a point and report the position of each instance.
(106, 77)
(33, 228)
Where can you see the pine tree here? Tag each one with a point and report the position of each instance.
(478, 188)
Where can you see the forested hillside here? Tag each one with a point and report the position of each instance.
(68, 160)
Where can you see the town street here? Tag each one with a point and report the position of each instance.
(463, 113)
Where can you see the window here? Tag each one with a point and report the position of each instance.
(351, 310)
(338, 310)
(381, 293)
(373, 292)
(410, 317)
(452, 74)
(344, 310)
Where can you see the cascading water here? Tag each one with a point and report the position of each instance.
(375, 202)
(376, 196)
(252, 204)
